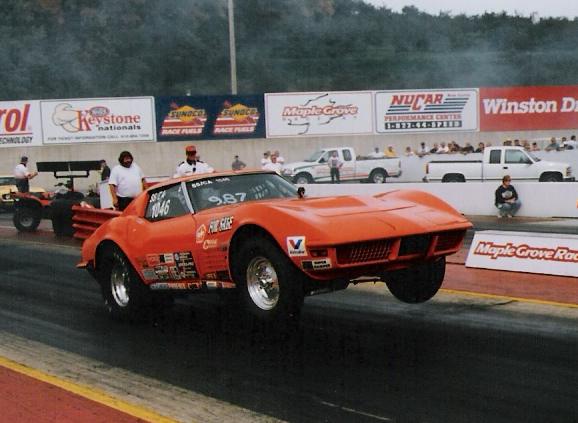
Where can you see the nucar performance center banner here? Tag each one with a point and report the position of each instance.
(550, 254)
(320, 113)
(98, 120)
(20, 123)
(529, 108)
(205, 117)
(426, 111)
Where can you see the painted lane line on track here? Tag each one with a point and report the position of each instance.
(507, 298)
(86, 392)
(354, 411)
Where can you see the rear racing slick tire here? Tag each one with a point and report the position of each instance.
(417, 284)
(126, 297)
(27, 219)
(270, 286)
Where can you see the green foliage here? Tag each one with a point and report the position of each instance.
(97, 48)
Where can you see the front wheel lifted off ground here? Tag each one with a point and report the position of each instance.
(418, 283)
(270, 287)
(124, 294)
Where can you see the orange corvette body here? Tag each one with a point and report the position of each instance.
(254, 231)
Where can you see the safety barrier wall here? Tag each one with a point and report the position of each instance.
(539, 199)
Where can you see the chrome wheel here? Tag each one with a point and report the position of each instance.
(262, 283)
(118, 284)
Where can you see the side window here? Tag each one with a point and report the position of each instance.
(166, 203)
(516, 156)
(347, 155)
(495, 156)
(324, 158)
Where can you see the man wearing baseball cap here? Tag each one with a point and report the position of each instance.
(23, 175)
(192, 166)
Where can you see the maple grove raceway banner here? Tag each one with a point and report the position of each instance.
(20, 123)
(319, 113)
(529, 108)
(209, 117)
(426, 111)
(550, 254)
(98, 120)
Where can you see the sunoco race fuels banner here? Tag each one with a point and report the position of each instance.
(98, 120)
(20, 123)
(204, 117)
(426, 111)
(529, 108)
(550, 254)
(321, 113)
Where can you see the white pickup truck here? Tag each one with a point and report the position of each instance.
(355, 168)
(497, 162)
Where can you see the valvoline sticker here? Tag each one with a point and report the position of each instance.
(296, 246)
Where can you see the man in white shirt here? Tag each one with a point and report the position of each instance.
(22, 175)
(280, 159)
(273, 165)
(334, 164)
(126, 181)
(376, 154)
(192, 166)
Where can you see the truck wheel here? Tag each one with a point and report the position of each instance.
(303, 178)
(417, 284)
(453, 178)
(27, 219)
(551, 177)
(270, 287)
(125, 295)
(378, 176)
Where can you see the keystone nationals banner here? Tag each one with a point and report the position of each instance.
(320, 113)
(20, 123)
(98, 120)
(209, 117)
(550, 254)
(529, 108)
(426, 111)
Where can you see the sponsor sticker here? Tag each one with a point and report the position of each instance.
(320, 264)
(296, 246)
(201, 232)
(221, 225)
(210, 244)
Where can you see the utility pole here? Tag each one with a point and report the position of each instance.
(232, 48)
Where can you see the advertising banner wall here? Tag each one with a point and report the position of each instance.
(20, 123)
(205, 117)
(426, 111)
(529, 108)
(550, 254)
(321, 113)
(98, 120)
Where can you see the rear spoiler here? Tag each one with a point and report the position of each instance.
(86, 219)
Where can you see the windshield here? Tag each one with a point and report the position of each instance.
(7, 180)
(213, 192)
(315, 156)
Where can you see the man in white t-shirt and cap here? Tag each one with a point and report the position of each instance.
(23, 175)
(192, 166)
(126, 181)
(273, 165)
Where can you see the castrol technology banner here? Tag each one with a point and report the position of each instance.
(98, 120)
(20, 123)
(529, 108)
(550, 254)
(319, 113)
(426, 111)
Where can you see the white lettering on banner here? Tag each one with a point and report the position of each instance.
(501, 106)
(525, 252)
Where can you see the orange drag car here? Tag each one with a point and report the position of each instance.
(257, 234)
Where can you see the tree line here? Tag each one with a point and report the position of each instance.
(101, 48)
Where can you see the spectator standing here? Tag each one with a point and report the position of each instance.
(443, 149)
(192, 166)
(126, 181)
(553, 146)
(434, 149)
(390, 152)
(534, 147)
(468, 148)
(238, 164)
(273, 165)
(335, 164)
(280, 159)
(104, 171)
(480, 148)
(571, 144)
(23, 175)
(409, 152)
(376, 154)
(266, 158)
(423, 150)
(506, 198)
